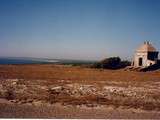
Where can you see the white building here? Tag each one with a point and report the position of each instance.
(146, 55)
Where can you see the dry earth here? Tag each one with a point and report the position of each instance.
(56, 91)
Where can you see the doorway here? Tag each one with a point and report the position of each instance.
(140, 61)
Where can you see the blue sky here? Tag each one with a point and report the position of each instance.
(77, 29)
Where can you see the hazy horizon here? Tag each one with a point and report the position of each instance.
(77, 29)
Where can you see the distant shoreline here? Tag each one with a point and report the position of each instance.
(16, 61)
(23, 61)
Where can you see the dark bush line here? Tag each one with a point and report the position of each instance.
(111, 63)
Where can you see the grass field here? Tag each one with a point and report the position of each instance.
(78, 86)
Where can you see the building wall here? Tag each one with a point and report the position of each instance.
(145, 61)
(150, 62)
(142, 55)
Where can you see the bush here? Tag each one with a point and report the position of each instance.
(125, 63)
(111, 63)
(96, 65)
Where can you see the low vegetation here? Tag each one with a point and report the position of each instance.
(52, 84)
(111, 63)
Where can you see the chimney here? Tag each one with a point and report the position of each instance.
(146, 43)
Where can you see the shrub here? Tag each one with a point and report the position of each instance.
(111, 63)
(96, 65)
(125, 63)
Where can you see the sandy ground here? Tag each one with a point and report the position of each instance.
(55, 91)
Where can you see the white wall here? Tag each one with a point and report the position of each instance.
(142, 55)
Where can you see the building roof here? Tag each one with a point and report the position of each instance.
(146, 47)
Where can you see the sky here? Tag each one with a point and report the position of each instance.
(77, 29)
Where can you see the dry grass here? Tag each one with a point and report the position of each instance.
(29, 83)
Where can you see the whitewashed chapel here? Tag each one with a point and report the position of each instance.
(146, 55)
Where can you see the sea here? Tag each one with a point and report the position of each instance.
(23, 60)
(4, 61)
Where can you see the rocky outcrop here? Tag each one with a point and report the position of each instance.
(20, 92)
